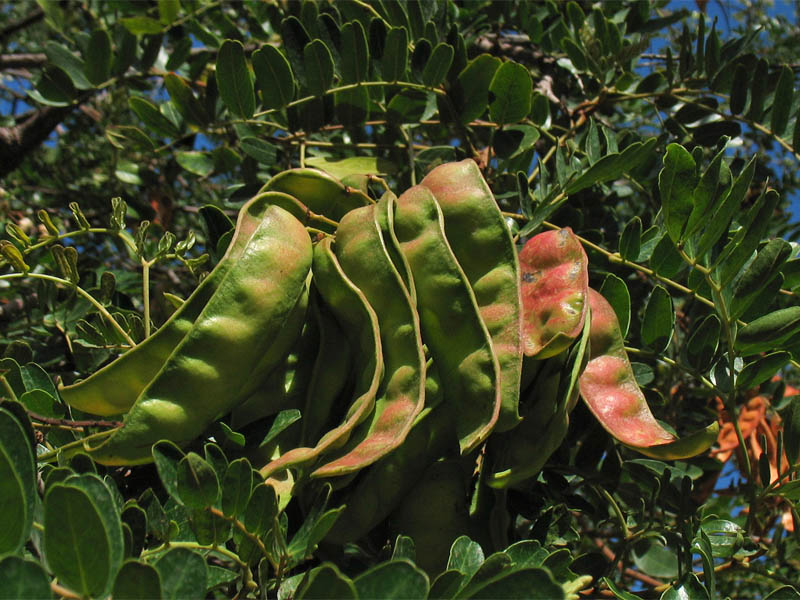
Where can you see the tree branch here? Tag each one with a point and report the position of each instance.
(16, 142)
(22, 60)
(15, 26)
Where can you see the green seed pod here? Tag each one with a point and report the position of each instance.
(113, 389)
(253, 316)
(320, 192)
(483, 246)
(451, 322)
(381, 487)
(360, 323)
(365, 260)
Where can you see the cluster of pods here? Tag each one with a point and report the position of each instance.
(409, 331)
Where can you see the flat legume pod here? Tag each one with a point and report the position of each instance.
(113, 389)
(555, 283)
(521, 453)
(365, 260)
(320, 192)
(239, 336)
(328, 376)
(360, 323)
(451, 323)
(383, 485)
(483, 246)
(609, 389)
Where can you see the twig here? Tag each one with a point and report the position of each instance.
(71, 423)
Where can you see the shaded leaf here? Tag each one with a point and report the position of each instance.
(273, 76)
(658, 321)
(233, 79)
(510, 93)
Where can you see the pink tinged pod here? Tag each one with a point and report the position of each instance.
(609, 389)
(555, 284)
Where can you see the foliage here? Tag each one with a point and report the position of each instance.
(667, 167)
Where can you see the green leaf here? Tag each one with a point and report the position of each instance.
(665, 259)
(137, 581)
(514, 140)
(652, 557)
(199, 163)
(741, 78)
(98, 57)
(763, 369)
(791, 430)
(183, 574)
(54, 88)
(531, 582)
(76, 542)
(356, 165)
(616, 292)
(68, 62)
(438, 65)
(166, 456)
(233, 79)
(152, 117)
(186, 102)
(22, 579)
(395, 54)
(141, 25)
(168, 10)
(739, 250)
(355, 53)
(540, 108)
(17, 483)
(575, 54)
(393, 579)
(758, 274)
(782, 102)
(352, 106)
(768, 332)
(718, 223)
(259, 149)
(630, 240)
(676, 183)
(319, 67)
(198, 486)
(612, 166)
(703, 343)
(466, 556)
(510, 93)
(471, 92)
(704, 195)
(236, 487)
(658, 322)
(274, 77)
(326, 581)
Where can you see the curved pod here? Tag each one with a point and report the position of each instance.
(482, 244)
(244, 330)
(456, 335)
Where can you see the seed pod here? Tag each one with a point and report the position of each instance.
(360, 323)
(482, 244)
(365, 260)
(521, 453)
(382, 486)
(113, 389)
(320, 192)
(253, 316)
(555, 283)
(609, 389)
(451, 322)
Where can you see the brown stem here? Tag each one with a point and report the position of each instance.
(71, 423)
(609, 554)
